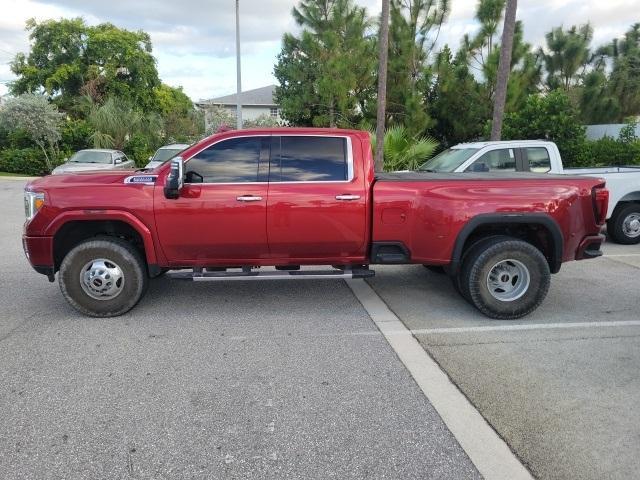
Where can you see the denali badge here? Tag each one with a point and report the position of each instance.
(141, 179)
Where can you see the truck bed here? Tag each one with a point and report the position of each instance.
(602, 170)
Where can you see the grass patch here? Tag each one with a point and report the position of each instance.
(6, 174)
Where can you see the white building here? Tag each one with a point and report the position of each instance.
(255, 103)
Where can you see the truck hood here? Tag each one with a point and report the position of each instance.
(82, 178)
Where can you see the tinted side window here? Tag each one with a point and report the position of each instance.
(538, 159)
(499, 160)
(230, 161)
(305, 159)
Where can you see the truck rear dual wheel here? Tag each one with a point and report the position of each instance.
(503, 277)
(103, 277)
(624, 225)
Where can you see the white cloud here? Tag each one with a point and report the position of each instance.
(194, 40)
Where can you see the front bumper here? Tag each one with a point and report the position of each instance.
(590, 247)
(39, 252)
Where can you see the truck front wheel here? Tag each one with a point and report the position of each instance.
(624, 225)
(504, 278)
(103, 277)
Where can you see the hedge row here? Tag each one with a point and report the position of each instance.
(26, 161)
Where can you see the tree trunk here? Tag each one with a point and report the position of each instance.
(504, 67)
(382, 85)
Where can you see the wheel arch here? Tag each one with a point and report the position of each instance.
(539, 229)
(71, 228)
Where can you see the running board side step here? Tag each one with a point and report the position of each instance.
(204, 276)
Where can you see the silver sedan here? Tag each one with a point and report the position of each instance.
(95, 159)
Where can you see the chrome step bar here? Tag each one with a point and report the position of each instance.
(199, 275)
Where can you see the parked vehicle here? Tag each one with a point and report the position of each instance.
(241, 200)
(623, 183)
(95, 159)
(165, 153)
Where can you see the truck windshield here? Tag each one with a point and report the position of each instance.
(448, 160)
(91, 156)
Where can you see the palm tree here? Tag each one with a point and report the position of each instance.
(504, 67)
(402, 151)
(116, 121)
(382, 84)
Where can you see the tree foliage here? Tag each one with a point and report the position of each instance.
(117, 120)
(69, 59)
(567, 55)
(320, 83)
(412, 33)
(38, 119)
(403, 151)
(550, 117)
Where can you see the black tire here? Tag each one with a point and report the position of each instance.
(439, 269)
(461, 286)
(119, 253)
(520, 259)
(616, 228)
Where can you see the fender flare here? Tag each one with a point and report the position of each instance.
(100, 214)
(542, 219)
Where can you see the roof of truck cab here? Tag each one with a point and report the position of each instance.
(478, 145)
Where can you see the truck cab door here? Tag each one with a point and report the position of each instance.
(317, 207)
(220, 215)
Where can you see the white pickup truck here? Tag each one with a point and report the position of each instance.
(539, 156)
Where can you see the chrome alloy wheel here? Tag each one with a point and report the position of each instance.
(508, 280)
(102, 279)
(631, 225)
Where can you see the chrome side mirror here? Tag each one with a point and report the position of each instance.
(175, 179)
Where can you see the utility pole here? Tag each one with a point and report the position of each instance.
(382, 85)
(504, 67)
(238, 75)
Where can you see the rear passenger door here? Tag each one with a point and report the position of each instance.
(316, 207)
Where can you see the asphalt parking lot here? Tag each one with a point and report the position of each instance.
(565, 398)
(293, 380)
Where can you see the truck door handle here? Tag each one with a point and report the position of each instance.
(248, 198)
(347, 197)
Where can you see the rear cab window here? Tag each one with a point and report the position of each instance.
(299, 158)
(538, 159)
(501, 160)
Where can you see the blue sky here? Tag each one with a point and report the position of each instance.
(193, 40)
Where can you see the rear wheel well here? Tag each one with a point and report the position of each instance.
(75, 232)
(537, 234)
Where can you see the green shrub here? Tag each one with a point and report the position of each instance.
(76, 135)
(548, 117)
(139, 149)
(26, 161)
(606, 152)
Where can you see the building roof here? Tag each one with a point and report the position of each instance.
(257, 96)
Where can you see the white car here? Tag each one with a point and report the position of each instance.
(165, 153)
(95, 159)
(539, 156)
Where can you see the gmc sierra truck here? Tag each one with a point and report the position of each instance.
(285, 198)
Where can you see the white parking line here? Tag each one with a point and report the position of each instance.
(488, 452)
(524, 326)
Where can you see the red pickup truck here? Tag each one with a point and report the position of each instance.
(285, 198)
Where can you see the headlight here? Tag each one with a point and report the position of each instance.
(33, 201)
